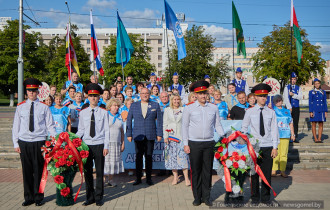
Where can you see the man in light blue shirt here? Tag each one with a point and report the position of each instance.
(263, 124)
(32, 123)
(198, 123)
(94, 127)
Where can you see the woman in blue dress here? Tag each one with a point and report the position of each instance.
(155, 94)
(222, 106)
(318, 109)
(60, 115)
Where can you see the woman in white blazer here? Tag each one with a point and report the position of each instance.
(175, 157)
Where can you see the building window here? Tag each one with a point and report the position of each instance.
(88, 49)
(160, 57)
(159, 41)
(106, 41)
(159, 49)
(160, 65)
(88, 41)
(149, 41)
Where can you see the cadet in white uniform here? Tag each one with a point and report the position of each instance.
(32, 123)
(198, 123)
(94, 127)
(263, 124)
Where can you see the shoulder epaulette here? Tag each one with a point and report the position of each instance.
(190, 103)
(21, 103)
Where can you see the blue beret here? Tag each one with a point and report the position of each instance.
(207, 77)
(239, 69)
(293, 75)
(316, 80)
(152, 74)
(175, 74)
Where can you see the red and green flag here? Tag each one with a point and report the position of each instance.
(296, 32)
(239, 32)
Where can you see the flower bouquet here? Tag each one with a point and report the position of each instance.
(237, 156)
(64, 156)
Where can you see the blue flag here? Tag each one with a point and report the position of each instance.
(173, 24)
(124, 44)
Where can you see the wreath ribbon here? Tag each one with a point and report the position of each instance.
(253, 156)
(64, 136)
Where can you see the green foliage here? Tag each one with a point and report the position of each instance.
(34, 63)
(274, 57)
(196, 65)
(139, 65)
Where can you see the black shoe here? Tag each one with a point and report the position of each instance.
(255, 201)
(99, 203)
(149, 182)
(137, 182)
(208, 203)
(39, 203)
(196, 202)
(87, 203)
(161, 173)
(27, 203)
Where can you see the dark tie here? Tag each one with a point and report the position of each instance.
(262, 128)
(31, 124)
(92, 130)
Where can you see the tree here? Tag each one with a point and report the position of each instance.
(274, 57)
(57, 72)
(139, 66)
(34, 50)
(196, 65)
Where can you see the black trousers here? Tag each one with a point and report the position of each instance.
(146, 148)
(295, 118)
(266, 164)
(96, 154)
(74, 129)
(201, 162)
(32, 166)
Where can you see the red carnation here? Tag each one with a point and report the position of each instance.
(58, 179)
(223, 158)
(243, 158)
(231, 158)
(76, 142)
(235, 165)
(224, 141)
(217, 155)
(65, 191)
(69, 163)
(48, 143)
(61, 161)
(220, 149)
(234, 154)
(57, 164)
(84, 154)
(236, 158)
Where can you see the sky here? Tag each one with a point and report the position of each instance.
(257, 16)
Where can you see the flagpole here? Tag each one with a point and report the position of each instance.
(67, 5)
(233, 53)
(168, 55)
(122, 64)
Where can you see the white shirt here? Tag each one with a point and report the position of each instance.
(286, 96)
(199, 122)
(102, 130)
(252, 119)
(43, 122)
(115, 129)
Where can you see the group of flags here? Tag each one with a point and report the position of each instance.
(124, 47)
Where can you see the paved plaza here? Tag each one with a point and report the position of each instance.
(302, 185)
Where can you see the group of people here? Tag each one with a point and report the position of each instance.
(186, 122)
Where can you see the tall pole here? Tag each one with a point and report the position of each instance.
(69, 28)
(233, 53)
(168, 56)
(20, 60)
(122, 64)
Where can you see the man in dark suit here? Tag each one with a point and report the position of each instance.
(144, 113)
